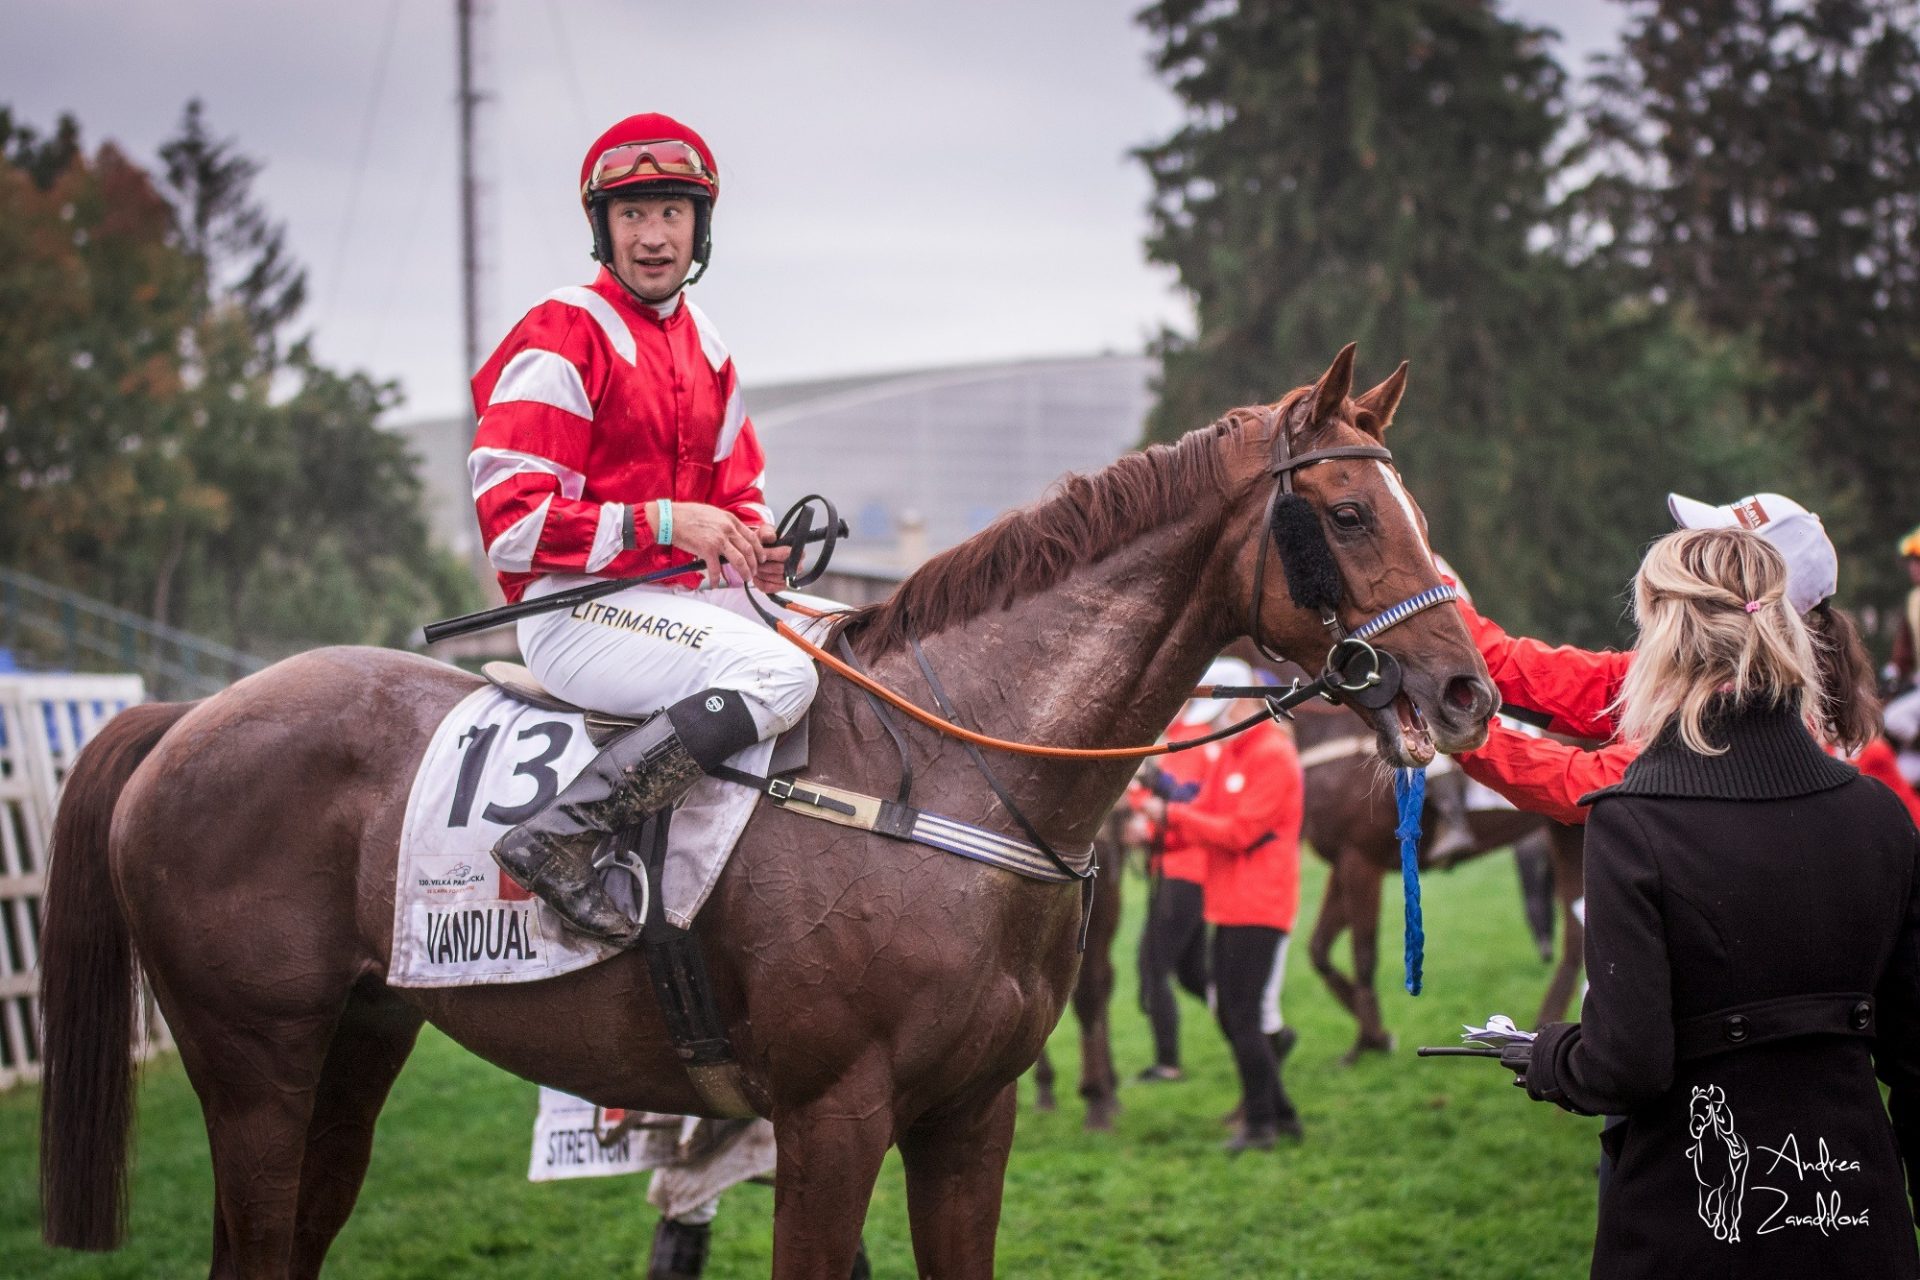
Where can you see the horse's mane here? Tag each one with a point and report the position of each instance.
(1085, 519)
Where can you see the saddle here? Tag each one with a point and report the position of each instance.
(790, 749)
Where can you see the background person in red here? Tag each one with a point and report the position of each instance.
(1173, 943)
(613, 441)
(1247, 818)
(1906, 639)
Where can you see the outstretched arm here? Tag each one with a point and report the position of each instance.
(1575, 687)
(1543, 775)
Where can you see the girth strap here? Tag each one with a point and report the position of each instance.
(681, 986)
(1745, 1026)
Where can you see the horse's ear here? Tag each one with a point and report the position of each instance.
(1384, 399)
(1335, 385)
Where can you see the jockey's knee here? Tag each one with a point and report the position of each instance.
(781, 689)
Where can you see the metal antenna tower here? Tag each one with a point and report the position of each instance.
(470, 14)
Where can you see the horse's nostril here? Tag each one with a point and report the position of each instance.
(1463, 693)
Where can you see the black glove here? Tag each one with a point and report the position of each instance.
(1517, 1057)
(1545, 1056)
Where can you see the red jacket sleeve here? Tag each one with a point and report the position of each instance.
(1542, 775)
(536, 398)
(1573, 686)
(739, 464)
(1268, 801)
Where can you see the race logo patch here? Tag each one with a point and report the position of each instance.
(1750, 513)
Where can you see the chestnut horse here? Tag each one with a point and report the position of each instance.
(1350, 820)
(876, 993)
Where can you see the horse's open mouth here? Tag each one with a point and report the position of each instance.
(1415, 740)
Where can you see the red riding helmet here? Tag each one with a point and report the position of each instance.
(650, 154)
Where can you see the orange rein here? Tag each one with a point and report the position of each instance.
(932, 721)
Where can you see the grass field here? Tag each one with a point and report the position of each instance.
(1410, 1168)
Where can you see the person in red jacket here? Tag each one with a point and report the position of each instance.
(1576, 692)
(1247, 818)
(613, 441)
(1173, 942)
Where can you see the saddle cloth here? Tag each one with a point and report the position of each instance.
(457, 919)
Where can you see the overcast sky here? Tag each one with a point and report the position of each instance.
(905, 182)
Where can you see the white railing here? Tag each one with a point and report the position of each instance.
(44, 721)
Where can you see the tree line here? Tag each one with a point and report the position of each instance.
(168, 441)
(1693, 267)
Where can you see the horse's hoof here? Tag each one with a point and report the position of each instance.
(1365, 1045)
(1043, 1101)
(1100, 1117)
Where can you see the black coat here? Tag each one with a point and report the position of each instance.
(1753, 944)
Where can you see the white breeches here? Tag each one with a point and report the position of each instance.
(637, 651)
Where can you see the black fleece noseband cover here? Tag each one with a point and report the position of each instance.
(1313, 579)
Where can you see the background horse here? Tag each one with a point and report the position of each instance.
(1350, 821)
(1093, 992)
(876, 993)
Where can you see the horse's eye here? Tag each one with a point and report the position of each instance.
(1349, 519)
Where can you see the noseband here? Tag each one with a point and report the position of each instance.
(1359, 673)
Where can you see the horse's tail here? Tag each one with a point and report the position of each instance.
(87, 995)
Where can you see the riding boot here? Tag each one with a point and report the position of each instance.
(679, 1250)
(1453, 838)
(641, 772)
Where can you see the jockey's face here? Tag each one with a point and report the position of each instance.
(652, 243)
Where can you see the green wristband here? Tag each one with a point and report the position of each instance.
(664, 534)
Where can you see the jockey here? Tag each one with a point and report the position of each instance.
(613, 442)
(1577, 691)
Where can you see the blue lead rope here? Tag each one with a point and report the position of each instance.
(1410, 796)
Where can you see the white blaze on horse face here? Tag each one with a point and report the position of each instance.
(1401, 496)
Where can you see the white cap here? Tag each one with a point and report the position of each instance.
(1813, 568)
(1228, 671)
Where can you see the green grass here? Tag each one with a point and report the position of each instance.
(1410, 1168)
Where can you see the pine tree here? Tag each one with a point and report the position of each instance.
(1382, 171)
(1762, 162)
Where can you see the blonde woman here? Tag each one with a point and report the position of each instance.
(1754, 949)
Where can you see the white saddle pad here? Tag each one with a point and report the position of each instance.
(457, 919)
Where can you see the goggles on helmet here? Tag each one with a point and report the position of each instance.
(666, 158)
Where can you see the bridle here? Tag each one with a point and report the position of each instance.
(1356, 671)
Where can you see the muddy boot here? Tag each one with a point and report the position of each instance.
(1453, 838)
(641, 772)
(679, 1250)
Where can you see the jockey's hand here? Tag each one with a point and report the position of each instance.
(718, 537)
(772, 574)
